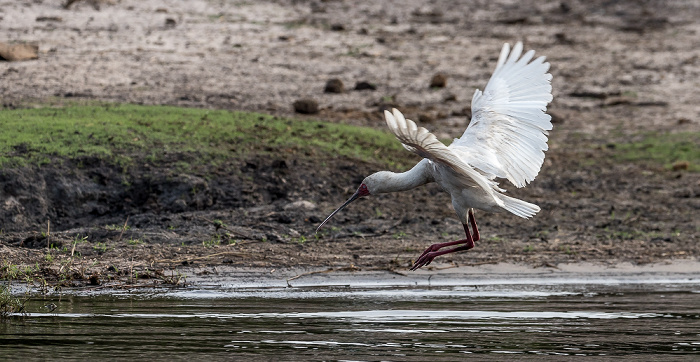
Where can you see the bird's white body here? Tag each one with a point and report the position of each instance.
(506, 139)
(463, 198)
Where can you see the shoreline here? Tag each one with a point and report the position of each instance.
(229, 279)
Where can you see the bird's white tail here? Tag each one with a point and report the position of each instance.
(519, 207)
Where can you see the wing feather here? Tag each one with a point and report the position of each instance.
(509, 124)
(423, 143)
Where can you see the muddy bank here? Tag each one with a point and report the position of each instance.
(262, 212)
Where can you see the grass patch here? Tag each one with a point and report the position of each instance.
(8, 303)
(121, 133)
(664, 149)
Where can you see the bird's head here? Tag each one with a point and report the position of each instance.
(371, 185)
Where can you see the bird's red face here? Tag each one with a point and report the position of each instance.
(361, 191)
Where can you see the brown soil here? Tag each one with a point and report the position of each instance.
(619, 68)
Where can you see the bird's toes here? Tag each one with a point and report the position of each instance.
(422, 261)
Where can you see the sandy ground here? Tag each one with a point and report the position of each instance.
(619, 68)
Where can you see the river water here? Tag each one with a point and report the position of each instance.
(360, 318)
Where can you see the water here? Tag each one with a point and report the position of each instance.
(366, 320)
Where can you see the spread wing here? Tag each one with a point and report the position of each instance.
(423, 143)
(507, 135)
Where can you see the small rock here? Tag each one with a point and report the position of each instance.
(439, 81)
(450, 98)
(564, 7)
(334, 85)
(365, 86)
(306, 106)
(18, 52)
(513, 20)
(626, 79)
(300, 205)
(556, 118)
(272, 236)
(170, 23)
(179, 205)
(283, 219)
(681, 165)
(562, 38)
(337, 27)
(683, 120)
(425, 118)
(162, 10)
(279, 164)
(95, 279)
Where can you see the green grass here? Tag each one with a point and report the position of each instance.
(663, 149)
(122, 133)
(8, 303)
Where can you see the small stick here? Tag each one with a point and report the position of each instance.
(48, 234)
(123, 228)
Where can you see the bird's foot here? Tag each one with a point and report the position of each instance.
(424, 259)
(432, 251)
(427, 257)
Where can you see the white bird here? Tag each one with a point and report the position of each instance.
(506, 139)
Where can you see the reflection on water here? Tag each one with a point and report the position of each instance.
(366, 323)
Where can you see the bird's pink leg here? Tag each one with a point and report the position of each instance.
(472, 221)
(436, 247)
(432, 251)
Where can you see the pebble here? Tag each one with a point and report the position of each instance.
(334, 85)
(425, 118)
(300, 205)
(337, 27)
(681, 165)
(365, 85)
(439, 81)
(306, 106)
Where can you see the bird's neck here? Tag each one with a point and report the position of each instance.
(393, 182)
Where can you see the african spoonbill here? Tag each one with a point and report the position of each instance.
(506, 139)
